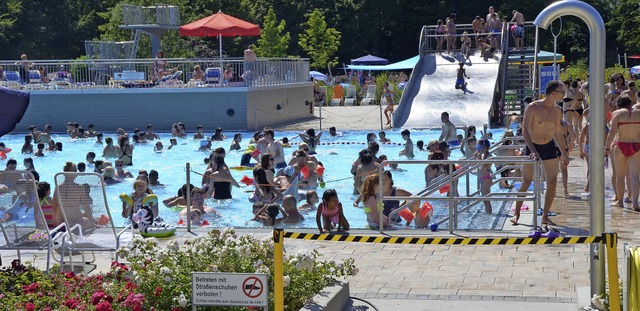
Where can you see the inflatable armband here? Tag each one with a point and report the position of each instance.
(126, 199)
(305, 172)
(406, 214)
(246, 180)
(320, 170)
(3, 155)
(104, 220)
(150, 199)
(255, 153)
(426, 210)
(445, 189)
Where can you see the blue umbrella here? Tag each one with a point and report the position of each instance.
(316, 75)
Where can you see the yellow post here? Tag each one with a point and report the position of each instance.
(611, 244)
(278, 288)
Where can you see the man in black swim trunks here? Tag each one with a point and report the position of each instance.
(541, 126)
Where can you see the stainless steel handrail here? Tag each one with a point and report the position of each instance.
(511, 196)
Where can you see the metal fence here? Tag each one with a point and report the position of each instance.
(144, 73)
(428, 37)
(160, 14)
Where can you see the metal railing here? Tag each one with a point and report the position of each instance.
(466, 170)
(159, 14)
(131, 73)
(428, 42)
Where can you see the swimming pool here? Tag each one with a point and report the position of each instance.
(336, 156)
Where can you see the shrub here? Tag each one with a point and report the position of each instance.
(159, 277)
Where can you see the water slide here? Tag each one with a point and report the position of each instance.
(431, 90)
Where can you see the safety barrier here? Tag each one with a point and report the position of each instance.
(630, 278)
(608, 240)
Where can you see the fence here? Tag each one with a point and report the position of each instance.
(131, 73)
(607, 240)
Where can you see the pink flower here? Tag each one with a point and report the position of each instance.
(97, 297)
(104, 306)
(31, 288)
(71, 303)
(30, 307)
(70, 275)
(158, 291)
(46, 309)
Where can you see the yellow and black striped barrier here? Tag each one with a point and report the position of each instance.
(610, 241)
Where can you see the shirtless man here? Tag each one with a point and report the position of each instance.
(45, 136)
(477, 29)
(275, 149)
(495, 27)
(448, 131)
(518, 18)
(150, 135)
(540, 128)
(632, 92)
(489, 16)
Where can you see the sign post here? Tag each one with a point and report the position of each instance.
(229, 289)
(548, 74)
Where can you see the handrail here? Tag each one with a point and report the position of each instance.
(450, 198)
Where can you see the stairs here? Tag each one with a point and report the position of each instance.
(518, 80)
(134, 47)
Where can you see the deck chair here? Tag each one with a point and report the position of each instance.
(62, 79)
(34, 77)
(13, 79)
(338, 94)
(350, 97)
(22, 222)
(370, 97)
(212, 75)
(82, 200)
(171, 80)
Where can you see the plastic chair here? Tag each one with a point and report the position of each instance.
(338, 94)
(82, 199)
(212, 75)
(350, 98)
(370, 97)
(23, 224)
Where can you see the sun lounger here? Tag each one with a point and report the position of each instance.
(370, 97)
(350, 98)
(338, 94)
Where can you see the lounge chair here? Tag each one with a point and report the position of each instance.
(350, 98)
(82, 200)
(338, 94)
(22, 222)
(62, 79)
(171, 80)
(370, 97)
(212, 75)
(13, 79)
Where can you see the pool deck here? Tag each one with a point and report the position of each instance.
(434, 277)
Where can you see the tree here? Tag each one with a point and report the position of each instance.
(320, 43)
(624, 22)
(272, 42)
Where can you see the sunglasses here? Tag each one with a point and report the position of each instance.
(305, 149)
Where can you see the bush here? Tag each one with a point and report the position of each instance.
(159, 278)
(580, 69)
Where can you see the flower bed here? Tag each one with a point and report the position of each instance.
(159, 278)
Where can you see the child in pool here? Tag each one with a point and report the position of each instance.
(158, 147)
(312, 200)
(197, 203)
(46, 203)
(268, 215)
(141, 191)
(330, 213)
(289, 203)
(484, 171)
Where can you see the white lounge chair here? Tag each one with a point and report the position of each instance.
(83, 202)
(370, 97)
(22, 222)
(350, 97)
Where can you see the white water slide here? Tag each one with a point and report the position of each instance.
(431, 90)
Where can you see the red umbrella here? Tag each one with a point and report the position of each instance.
(221, 25)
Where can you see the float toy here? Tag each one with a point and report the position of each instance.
(148, 228)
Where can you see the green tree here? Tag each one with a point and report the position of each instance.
(272, 42)
(624, 22)
(320, 42)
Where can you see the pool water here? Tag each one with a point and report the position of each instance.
(336, 156)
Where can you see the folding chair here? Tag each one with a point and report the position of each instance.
(338, 94)
(23, 224)
(82, 200)
(350, 98)
(370, 97)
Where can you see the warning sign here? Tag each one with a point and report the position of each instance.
(229, 289)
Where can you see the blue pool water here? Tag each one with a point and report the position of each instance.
(170, 164)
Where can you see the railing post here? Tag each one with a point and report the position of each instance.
(278, 270)
(610, 241)
(452, 215)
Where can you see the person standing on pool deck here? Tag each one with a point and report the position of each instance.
(448, 130)
(541, 126)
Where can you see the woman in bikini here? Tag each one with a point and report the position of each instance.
(625, 149)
